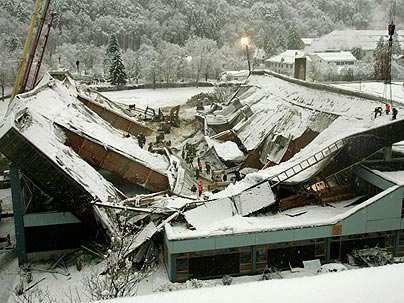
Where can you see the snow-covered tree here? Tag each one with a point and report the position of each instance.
(201, 51)
(110, 53)
(150, 63)
(131, 60)
(117, 73)
(293, 40)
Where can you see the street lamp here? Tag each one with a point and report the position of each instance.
(245, 41)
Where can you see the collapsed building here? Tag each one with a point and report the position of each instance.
(330, 183)
(58, 147)
(327, 178)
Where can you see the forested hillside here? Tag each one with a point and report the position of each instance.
(165, 32)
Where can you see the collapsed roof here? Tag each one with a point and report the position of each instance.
(307, 129)
(34, 134)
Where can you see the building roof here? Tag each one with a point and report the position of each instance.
(287, 57)
(349, 39)
(336, 56)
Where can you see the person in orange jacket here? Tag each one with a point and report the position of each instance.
(200, 188)
(388, 109)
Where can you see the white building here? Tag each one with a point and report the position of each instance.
(284, 63)
(337, 58)
(346, 40)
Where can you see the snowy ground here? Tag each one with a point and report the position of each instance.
(3, 108)
(376, 88)
(162, 97)
(372, 285)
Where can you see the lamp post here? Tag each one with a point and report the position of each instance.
(245, 41)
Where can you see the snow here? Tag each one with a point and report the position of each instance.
(155, 98)
(227, 151)
(370, 285)
(3, 108)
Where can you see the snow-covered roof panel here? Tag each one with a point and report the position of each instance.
(33, 114)
(227, 151)
(336, 56)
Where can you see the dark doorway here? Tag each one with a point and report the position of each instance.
(214, 266)
(281, 257)
(54, 237)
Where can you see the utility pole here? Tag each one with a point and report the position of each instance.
(248, 58)
(3, 82)
(244, 42)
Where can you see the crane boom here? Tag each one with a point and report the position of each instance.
(25, 58)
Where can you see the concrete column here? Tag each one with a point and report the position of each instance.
(327, 244)
(396, 242)
(254, 259)
(19, 211)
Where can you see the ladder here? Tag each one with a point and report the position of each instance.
(303, 165)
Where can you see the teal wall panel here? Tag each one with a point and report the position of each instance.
(312, 233)
(383, 225)
(193, 245)
(274, 237)
(239, 240)
(387, 207)
(355, 224)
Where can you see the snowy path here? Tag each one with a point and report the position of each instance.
(162, 97)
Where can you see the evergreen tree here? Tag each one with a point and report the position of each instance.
(117, 74)
(293, 39)
(110, 53)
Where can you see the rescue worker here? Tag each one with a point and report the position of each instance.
(200, 188)
(388, 108)
(395, 113)
(141, 140)
(378, 111)
(199, 164)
